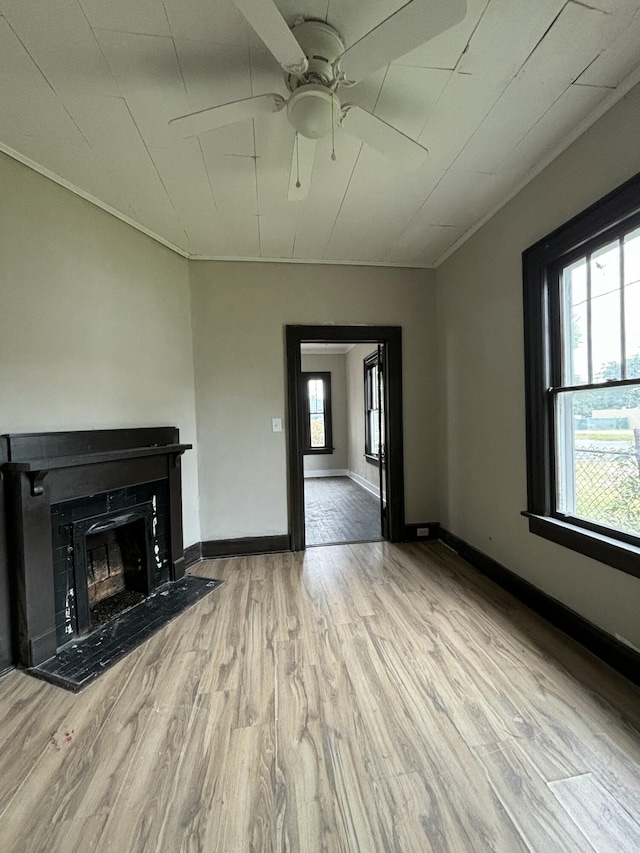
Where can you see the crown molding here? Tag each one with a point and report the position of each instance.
(63, 182)
(323, 262)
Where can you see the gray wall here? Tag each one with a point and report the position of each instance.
(240, 311)
(95, 322)
(335, 365)
(481, 368)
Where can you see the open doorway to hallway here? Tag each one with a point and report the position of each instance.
(346, 480)
(343, 422)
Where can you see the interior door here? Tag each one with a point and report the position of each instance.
(392, 473)
(382, 442)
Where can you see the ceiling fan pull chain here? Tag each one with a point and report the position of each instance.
(297, 162)
(333, 134)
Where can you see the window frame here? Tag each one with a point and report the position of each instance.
(369, 363)
(542, 263)
(325, 377)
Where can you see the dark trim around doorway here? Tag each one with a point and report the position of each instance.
(391, 336)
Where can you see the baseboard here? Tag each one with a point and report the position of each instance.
(610, 650)
(338, 472)
(369, 487)
(192, 554)
(245, 546)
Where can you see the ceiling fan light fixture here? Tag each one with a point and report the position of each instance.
(313, 110)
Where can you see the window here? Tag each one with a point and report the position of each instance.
(582, 331)
(373, 394)
(316, 399)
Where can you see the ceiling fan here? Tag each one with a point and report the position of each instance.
(316, 65)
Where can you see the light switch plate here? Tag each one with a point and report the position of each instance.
(276, 424)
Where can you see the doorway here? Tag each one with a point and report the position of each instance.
(309, 411)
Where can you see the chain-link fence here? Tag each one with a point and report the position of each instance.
(607, 485)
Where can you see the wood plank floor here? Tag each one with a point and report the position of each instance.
(369, 697)
(338, 510)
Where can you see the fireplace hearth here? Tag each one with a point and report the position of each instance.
(96, 524)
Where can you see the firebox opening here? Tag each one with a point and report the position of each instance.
(113, 564)
(116, 570)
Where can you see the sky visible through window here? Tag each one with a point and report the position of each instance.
(604, 338)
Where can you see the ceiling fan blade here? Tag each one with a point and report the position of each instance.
(406, 29)
(304, 152)
(194, 124)
(383, 137)
(265, 18)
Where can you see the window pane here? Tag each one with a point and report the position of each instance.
(317, 431)
(374, 381)
(598, 456)
(373, 432)
(606, 352)
(575, 369)
(316, 396)
(632, 302)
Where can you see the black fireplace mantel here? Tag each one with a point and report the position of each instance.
(41, 469)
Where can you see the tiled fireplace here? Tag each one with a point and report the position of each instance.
(95, 520)
(110, 551)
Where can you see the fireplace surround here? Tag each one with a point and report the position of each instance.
(110, 550)
(92, 515)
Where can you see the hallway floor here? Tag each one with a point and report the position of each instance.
(339, 510)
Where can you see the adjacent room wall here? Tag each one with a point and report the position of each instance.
(336, 461)
(240, 311)
(358, 463)
(481, 368)
(96, 322)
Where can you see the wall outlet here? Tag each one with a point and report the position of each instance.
(276, 424)
(422, 531)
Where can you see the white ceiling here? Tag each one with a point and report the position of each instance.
(88, 87)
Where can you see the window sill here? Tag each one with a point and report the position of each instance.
(373, 460)
(605, 549)
(318, 451)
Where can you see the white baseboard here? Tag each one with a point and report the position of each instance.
(338, 472)
(369, 487)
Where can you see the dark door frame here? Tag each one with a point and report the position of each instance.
(391, 336)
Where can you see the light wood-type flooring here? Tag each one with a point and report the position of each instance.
(338, 510)
(369, 697)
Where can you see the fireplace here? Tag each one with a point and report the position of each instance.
(96, 519)
(111, 568)
(112, 564)
(110, 550)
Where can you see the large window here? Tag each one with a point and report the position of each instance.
(582, 323)
(316, 399)
(373, 395)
